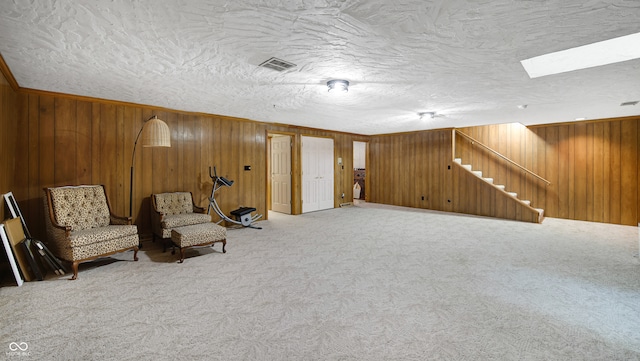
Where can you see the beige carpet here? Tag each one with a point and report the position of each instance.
(357, 283)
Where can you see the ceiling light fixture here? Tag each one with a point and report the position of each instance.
(582, 57)
(338, 86)
(428, 115)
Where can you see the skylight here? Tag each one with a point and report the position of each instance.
(582, 57)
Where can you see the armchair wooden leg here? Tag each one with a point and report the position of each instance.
(74, 266)
(135, 253)
(181, 255)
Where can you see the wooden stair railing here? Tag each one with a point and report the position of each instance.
(474, 142)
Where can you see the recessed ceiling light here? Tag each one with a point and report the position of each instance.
(522, 106)
(587, 56)
(581, 118)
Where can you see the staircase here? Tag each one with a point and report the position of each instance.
(500, 188)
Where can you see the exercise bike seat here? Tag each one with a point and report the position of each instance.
(242, 211)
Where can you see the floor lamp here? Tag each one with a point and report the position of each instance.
(154, 133)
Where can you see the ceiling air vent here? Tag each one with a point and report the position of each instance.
(277, 64)
(629, 103)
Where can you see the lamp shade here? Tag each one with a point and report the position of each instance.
(155, 133)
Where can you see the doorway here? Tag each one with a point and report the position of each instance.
(317, 174)
(359, 170)
(280, 173)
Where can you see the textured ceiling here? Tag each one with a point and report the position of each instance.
(458, 58)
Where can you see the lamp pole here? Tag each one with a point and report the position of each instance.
(156, 134)
(133, 157)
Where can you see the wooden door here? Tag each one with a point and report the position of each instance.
(281, 174)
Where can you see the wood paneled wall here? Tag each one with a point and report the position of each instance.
(417, 170)
(8, 125)
(405, 168)
(65, 140)
(62, 140)
(592, 166)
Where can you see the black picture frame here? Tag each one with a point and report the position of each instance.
(12, 204)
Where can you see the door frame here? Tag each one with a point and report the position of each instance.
(294, 170)
(366, 165)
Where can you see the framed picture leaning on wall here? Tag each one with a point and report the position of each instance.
(10, 200)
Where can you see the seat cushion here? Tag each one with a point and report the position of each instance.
(93, 250)
(179, 220)
(101, 234)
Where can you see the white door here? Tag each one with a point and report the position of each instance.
(317, 174)
(281, 174)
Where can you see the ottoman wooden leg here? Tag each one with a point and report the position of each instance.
(181, 255)
(224, 243)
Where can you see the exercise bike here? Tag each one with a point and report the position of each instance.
(243, 214)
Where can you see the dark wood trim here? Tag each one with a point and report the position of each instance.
(8, 75)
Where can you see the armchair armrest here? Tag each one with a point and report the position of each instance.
(119, 220)
(197, 209)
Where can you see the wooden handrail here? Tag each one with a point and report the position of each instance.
(474, 141)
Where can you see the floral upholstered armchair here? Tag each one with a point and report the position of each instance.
(81, 226)
(173, 210)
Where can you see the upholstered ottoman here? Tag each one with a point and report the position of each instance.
(202, 234)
